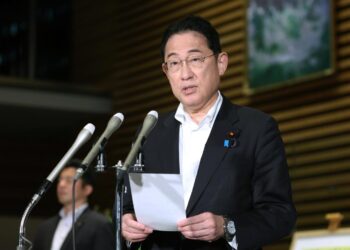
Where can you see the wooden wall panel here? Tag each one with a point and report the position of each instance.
(117, 49)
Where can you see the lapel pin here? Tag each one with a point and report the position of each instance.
(231, 141)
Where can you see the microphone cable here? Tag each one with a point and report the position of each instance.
(73, 214)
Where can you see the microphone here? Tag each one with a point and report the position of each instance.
(84, 135)
(113, 124)
(147, 126)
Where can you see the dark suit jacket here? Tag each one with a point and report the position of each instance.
(248, 181)
(92, 232)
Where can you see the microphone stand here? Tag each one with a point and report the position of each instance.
(101, 165)
(22, 230)
(120, 187)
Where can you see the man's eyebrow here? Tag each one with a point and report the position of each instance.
(172, 54)
(194, 50)
(190, 51)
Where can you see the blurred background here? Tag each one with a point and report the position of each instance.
(64, 63)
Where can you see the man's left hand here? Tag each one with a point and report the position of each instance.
(205, 226)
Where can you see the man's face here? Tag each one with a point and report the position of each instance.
(64, 188)
(194, 87)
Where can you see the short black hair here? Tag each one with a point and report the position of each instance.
(192, 23)
(88, 178)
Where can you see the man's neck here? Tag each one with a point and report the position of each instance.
(197, 115)
(68, 208)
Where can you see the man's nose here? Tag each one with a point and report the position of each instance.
(61, 183)
(65, 182)
(186, 71)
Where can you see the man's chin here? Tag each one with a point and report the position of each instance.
(64, 201)
(190, 101)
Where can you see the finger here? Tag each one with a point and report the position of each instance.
(198, 235)
(133, 230)
(134, 235)
(189, 221)
(129, 221)
(197, 219)
(202, 225)
(146, 230)
(200, 231)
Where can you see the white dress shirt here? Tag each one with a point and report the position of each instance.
(64, 226)
(192, 140)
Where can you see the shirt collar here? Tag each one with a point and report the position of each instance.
(183, 117)
(78, 211)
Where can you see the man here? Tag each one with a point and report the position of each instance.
(231, 158)
(93, 230)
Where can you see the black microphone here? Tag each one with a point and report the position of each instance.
(113, 124)
(147, 126)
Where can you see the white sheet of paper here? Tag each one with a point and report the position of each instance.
(158, 200)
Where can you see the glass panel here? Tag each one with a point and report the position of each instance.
(47, 41)
(14, 38)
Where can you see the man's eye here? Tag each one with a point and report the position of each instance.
(195, 59)
(173, 63)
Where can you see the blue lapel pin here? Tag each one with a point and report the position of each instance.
(231, 142)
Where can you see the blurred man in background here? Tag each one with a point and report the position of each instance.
(93, 230)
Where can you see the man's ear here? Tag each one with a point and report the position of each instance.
(222, 62)
(88, 189)
(164, 69)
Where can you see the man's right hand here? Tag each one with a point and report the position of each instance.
(132, 230)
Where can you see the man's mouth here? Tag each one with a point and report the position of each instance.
(189, 89)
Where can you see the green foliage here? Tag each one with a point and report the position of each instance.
(288, 43)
